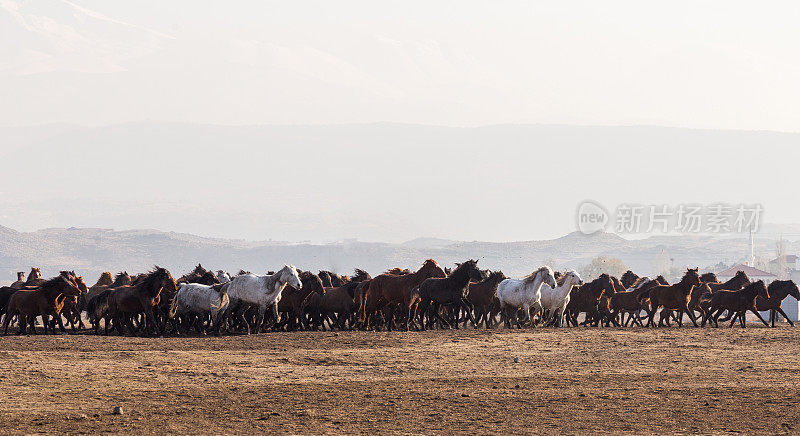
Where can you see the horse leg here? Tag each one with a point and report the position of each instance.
(786, 317)
(22, 320)
(759, 317)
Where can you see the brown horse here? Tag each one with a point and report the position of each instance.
(193, 276)
(586, 298)
(738, 281)
(709, 277)
(293, 301)
(738, 302)
(628, 279)
(446, 291)
(387, 291)
(673, 297)
(71, 310)
(778, 290)
(482, 294)
(630, 303)
(142, 296)
(34, 278)
(45, 301)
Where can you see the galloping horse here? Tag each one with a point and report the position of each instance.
(448, 291)
(142, 296)
(388, 290)
(673, 297)
(525, 293)
(482, 294)
(739, 301)
(45, 301)
(555, 301)
(261, 291)
(194, 299)
(586, 298)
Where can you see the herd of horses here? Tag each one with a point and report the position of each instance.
(213, 302)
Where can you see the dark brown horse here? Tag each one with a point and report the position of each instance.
(738, 302)
(709, 277)
(292, 304)
(389, 291)
(193, 276)
(34, 278)
(482, 294)
(628, 279)
(450, 291)
(778, 290)
(586, 298)
(673, 297)
(47, 300)
(142, 296)
(738, 281)
(630, 303)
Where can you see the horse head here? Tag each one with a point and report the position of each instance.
(470, 268)
(288, 275)
(628, 279)
(35, 273)
(758, 289)
(740, 279)
(21, 276)
(312, 282)
(571, 278)
(431, 269)
(691, 278)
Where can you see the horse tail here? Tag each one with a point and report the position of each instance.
(173, 307)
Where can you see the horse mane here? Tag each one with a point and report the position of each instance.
(528, 279)
(359, 275)
(122, 279)
(640, 281)
(397, 271)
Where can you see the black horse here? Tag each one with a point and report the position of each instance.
(450, 291)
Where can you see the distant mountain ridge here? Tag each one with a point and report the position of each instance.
(90, 251)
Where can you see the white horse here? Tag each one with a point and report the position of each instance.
(197, 299)
(222, 276)
(261, 291)
(525, 293)
(555, 300)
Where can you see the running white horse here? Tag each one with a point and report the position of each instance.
(222, 276)
(525, 293)
(555, 300)
(261, 291)
(197, 299)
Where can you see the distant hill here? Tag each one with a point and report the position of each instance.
(91, 251)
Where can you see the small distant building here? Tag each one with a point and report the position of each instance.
(790, 305)
(788, 263)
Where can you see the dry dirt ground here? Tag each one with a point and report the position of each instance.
(575, 381)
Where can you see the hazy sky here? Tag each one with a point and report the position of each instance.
(712, 64)
(101, 63)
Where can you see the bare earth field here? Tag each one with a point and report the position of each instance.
(578, 381)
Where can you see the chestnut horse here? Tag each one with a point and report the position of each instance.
(673, 297)
(142, 296)
(738, 302)
(388, 291)
(45, 301)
